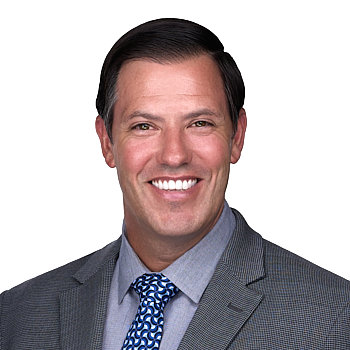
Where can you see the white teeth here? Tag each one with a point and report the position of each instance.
(171, 185)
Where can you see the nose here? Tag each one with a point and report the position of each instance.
(174, 150)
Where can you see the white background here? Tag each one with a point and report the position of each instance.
(58, 199)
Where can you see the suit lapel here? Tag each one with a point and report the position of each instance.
(228, 302)
(221, 313)
(83, 309)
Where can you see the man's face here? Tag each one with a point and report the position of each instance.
(172, 146)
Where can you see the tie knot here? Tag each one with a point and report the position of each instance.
(154, 288)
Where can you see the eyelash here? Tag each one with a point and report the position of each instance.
(148, 126)
(202, 121)
(138, 126)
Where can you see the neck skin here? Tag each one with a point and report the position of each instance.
(157, 251)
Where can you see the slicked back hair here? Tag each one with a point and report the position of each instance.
(168, 40)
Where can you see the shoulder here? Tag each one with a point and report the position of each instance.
(49, 283)
(314, 299)
(302, 303)
(64, 277)
(32, 308)
(297, 272)
(42, 292)
(286, 271)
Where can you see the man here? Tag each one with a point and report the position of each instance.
(188, 272)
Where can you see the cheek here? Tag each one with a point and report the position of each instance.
(215, 152)
(131, 157)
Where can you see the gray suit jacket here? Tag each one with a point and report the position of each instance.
(260, 297)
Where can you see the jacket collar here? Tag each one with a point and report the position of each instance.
(244, 255)
(98, 260)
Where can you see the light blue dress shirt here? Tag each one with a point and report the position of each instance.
(191, 273)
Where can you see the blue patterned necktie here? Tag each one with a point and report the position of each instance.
(145, 332)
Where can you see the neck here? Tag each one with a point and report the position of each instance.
(158, 251)
(158, 254)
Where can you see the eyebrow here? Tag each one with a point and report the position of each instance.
(143, 115)
(195, 114)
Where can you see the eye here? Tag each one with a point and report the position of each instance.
(143, 127)
(201, 123)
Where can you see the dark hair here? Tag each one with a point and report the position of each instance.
(167, 40)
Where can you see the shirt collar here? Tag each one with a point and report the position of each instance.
(192, 271)
(130, 267)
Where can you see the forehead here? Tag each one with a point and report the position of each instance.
(196, 79)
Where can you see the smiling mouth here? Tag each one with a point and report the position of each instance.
(174, 185)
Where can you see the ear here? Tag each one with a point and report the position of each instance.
(106, 144)
(238, 138)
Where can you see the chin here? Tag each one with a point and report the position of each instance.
(178, 226)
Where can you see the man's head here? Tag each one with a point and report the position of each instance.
(167, 41)
(171, 136)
